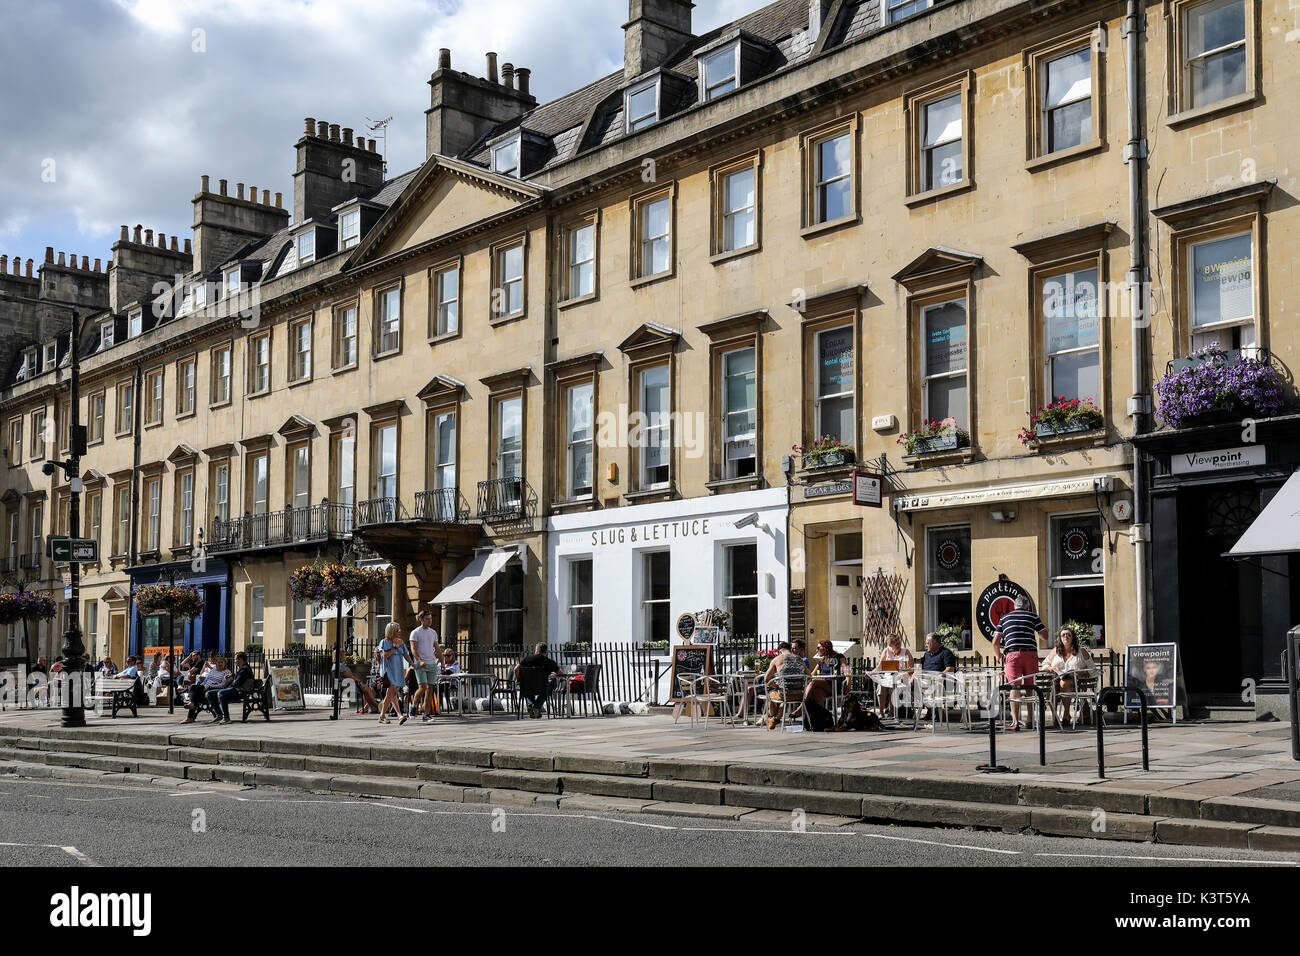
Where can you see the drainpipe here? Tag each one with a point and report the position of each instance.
(1139, 402)
(133, 517)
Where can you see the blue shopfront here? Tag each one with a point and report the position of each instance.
(210, 631)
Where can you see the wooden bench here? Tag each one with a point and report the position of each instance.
(117, 692)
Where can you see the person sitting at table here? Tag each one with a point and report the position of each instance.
(537, 661)
(937, 657)
(161, 679)
(369, 704)
(449, 663)
(785, 666)
(828, 665)
(894, 651)
(218, 677)
(1068, 660)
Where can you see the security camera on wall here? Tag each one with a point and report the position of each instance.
(749, 521)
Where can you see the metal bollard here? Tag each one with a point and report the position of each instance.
(1101, 724)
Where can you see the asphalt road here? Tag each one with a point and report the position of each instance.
(48, 823)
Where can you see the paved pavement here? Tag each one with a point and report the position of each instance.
(1196, 759)
(49, 823)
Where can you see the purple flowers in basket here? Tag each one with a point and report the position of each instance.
(178, 600)
(25, 605)
(1216, 381)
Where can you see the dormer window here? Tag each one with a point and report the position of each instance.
(51, 355)
(305, 243)
(505, 158)
(641, 106)
(900, 9)
(106, 334)
(720, 72)
(200, 295)
(29, 364)
(350, 228)
(134, 322)
(232, 282)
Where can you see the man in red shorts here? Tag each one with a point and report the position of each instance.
(1016, 640)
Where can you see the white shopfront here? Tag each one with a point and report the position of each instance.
(626, 575)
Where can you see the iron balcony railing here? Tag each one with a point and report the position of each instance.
(327, 521)
(443, 505)
(387, 510)
(504, 499)
(30, 561)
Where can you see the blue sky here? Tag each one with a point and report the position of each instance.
(112, 109)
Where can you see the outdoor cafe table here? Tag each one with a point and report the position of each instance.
(464, 684)
(744, 682)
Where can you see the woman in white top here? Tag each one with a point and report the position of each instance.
(894, 651)
(1068, 659)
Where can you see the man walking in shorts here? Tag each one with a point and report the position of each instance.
(1016, 640)
(424, 645)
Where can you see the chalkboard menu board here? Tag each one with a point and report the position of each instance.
(690, 659)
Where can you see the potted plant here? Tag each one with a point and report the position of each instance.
(1216, 383)
(950, 636)
(1083, 632)
(26, 606)
(758, 661)
(575, 649)
(934, 436)
(657, 648)
(1061, 416)
(825, 452)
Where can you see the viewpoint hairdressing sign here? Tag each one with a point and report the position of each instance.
(1219, 459)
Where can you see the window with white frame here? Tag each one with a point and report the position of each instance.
(300, 613)
(1067, 100)
(345, 336)
(740, 412)
(185, 508)
(258, 490)
(185, 379)
(350, 228)
(385, 461)
(300, 347)
(1214, 52)
(38, 435)
(901, 9)
(220, 375)
(941, 142)
(741, 569)
(51, 355)
(233, 282)
(656, 427)
(739, 209)
(578, 439)
(641, 106)
(15, 442)
(833, 404)
(256, 614)
(505, 158)
(1221, 291)
(259, 364)
(508, 605)
(510, 440)
(300, 475)
(343, 450)
(153, 397)
(833, 177)
(305, 245)
(508, 293)
(134, 323)
(221, 491)
(390, 320)
(944, 361)
(581, 255)
(94, 515)
(947, 576)
(720, 72)
(36, 518)
(153, 513)
(14, 539)
(106, 333)
(444, 450)
(1076, 567)
(200, 294)
(121, 519)
(446, 300)
(656, 596)
(1071, 354)
(654, 228)
(581, 601)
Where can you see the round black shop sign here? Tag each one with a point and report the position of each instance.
(994, 601)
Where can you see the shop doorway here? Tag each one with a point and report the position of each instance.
(117, 637)
(844, 597)
(1219, 599)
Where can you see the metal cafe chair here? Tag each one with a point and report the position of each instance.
(1085, 691)
(939, 692)
(789, 696)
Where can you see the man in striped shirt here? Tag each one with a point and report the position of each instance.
(1016, 640)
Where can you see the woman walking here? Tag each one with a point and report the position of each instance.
(391, 651)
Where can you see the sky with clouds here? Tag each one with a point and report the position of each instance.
(112, 109)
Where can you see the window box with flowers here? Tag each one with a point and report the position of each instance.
(1062, 418)
(656, 648)
(759, 662)
(934, 438)
(1215, 385)
(825, 452)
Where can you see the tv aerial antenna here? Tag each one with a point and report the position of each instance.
(380, 127)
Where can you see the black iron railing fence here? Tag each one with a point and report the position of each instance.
(323, 522)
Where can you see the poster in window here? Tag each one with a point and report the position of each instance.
(1070, 309)
(945, 338)
(1222, 280)
(835, 371)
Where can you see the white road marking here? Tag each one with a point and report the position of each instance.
(1170, 859)
(72, 851)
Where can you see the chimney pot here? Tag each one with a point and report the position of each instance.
(309, 125)
(347, 136)
(49, 253)
(162, 240)
(222, 185)
(322, 129)
(334, 132)
(204, 187)
(124, 237)
(252, 194)
(370, 145)
(239, 190)
(187, 248)
(96, 265)
(523, 73)
(174, 247)
(85, 263)
(4, 264)
(60, 258)
(278, 200)
(492, 68)
(444, 59)
(266, 197)
(135, 235)
(508, 75)
(148, 237)
(29, 268)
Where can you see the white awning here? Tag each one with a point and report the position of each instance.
(477, 574)
(329, 612)
(1277, 529)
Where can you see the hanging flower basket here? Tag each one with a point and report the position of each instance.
(335, 582)
(178, 600)
(1217, 384)
(1062, 416)
(25, 606)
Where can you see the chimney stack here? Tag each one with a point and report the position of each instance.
(319, 183)
(654, 29)
(462, 107)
